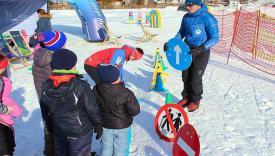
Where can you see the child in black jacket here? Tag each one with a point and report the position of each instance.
(72, 107)
(118, 106)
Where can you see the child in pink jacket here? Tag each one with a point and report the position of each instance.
(7, 142)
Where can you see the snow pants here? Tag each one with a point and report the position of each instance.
(115, 142)
(7, 142)
(68, 146)
(91, 71)
(192, 77)
(48, 142)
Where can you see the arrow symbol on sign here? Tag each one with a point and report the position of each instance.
(177, 49)
(187, 149)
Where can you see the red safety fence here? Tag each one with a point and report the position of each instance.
(226, 26)
(250, 36)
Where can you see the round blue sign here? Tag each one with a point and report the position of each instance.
(178, 54)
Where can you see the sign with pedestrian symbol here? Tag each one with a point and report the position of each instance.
(178, 54)
(187, 142)
(169, 119)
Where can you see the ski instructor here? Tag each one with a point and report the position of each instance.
(200, 32)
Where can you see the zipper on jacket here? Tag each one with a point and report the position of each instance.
(79, 120)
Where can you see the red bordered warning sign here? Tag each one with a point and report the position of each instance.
(169, 119)
(187, 142)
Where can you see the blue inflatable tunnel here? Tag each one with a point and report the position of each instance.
(92, 19)
(15, 12)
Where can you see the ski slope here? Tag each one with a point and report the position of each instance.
(236, 116)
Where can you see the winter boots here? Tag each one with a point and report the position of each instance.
(183, 102)
(191, 106)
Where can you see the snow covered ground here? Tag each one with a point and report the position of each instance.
(236, 117)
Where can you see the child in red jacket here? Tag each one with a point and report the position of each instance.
(116, 56)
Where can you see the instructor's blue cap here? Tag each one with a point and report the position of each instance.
(193, 2)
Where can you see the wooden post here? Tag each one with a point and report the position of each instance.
(222, 25)
(256, 35)
(48, 8)
(236, 20)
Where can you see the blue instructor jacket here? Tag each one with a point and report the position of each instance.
(199, 28)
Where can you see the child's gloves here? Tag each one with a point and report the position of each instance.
(165, 46)
(98, 130)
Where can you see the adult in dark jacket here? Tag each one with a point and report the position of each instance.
(72, 107)
(118, 106)
(200, 31)
(44, 22)
(41, 70)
